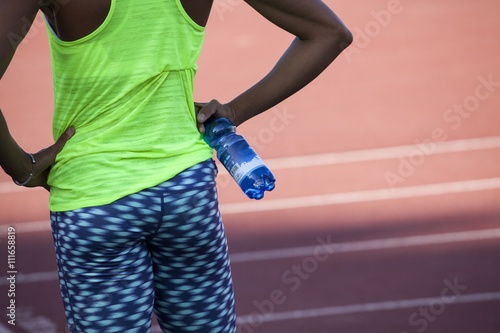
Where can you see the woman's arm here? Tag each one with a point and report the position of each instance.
(320, 38)
(16, 18)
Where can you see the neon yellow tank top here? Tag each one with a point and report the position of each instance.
(127, 88)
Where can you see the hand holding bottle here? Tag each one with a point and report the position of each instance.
(237, 156)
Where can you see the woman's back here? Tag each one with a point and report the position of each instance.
(127, 90)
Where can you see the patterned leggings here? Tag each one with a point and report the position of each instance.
(161, 249)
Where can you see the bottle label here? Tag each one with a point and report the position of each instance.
(239, 171)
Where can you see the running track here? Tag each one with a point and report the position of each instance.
(386, 215)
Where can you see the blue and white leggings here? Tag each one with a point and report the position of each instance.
(161, 249)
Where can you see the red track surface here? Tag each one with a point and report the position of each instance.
(398, 84)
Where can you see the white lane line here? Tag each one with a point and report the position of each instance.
(381, 153)
(322, 200)
(10, 187)
(352, 156)
(37, 277)
(4, 329)
(31, 277)
(24, 227)
(361, 196)
(324, 245)
(255, 320)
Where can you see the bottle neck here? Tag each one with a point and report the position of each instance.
(217, 131)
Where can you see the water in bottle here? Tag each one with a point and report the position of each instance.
(239, 158)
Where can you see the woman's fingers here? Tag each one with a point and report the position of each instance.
(206, 110)
(46, 157)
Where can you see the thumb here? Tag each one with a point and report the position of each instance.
(58, 146)
(46, 157)
(199, 106)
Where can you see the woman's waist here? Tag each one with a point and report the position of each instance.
(72, 169)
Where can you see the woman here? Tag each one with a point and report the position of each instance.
(133, 202)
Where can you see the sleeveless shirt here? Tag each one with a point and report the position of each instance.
(127, 88)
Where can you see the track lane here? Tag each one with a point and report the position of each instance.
(394, 92)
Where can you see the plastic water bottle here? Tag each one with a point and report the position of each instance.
(239, 158)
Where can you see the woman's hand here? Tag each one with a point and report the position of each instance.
(206, 110)
(43, 161)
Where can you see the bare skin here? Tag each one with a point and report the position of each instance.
(320, 38)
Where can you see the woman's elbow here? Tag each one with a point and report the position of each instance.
(347, 37)
(339, 35)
